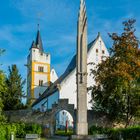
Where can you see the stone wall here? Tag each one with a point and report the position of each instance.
(48, 117)
(31, 116)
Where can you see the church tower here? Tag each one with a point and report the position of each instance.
(38, 70)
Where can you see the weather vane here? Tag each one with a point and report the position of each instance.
(39, 14)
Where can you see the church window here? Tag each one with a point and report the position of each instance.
(96, 50)
(103, 52)
(40, 82)
(41, 69)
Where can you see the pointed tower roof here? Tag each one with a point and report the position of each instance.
(38, 42)
(33, 45)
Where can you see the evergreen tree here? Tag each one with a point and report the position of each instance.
(117, 89)
(12, 98)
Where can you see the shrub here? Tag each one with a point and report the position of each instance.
(63, 133)
(33, 129)
(130, 133)
(2, 132)
(98, 130)
(19, 130)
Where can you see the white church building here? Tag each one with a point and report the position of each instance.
(44, 88)
(65, 86)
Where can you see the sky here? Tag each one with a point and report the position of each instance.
(58, 27)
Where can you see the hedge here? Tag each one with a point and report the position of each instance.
(63, 133)
(130, 133)
(19, 130)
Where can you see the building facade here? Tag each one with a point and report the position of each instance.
(39, 73)
(65, 86)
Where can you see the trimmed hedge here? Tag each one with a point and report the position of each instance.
(63, 133)
(130, 133)
(19, 130)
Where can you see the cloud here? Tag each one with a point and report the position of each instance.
(58, 19)
(45, 10)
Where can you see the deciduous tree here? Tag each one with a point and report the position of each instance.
(117, 89)
(2, 90)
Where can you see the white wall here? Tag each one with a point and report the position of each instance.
(36, 55)
(68, 86)
(54, 76)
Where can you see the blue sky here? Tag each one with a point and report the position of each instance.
(58, 20)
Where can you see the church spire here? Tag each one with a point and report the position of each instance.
(39, 40)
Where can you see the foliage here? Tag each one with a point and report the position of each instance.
(19, 130)
(130, 133)
(63, 133)
(2, 90)
(33, 128)
(1, 51)
(2, 132)
(97, 130)
(12, 98)
(117, 89)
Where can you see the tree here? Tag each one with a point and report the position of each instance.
(117, 89)
(12, 98)
(2, 90)
(1, 51)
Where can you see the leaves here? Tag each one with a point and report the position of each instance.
(117, 89)
(12, 98)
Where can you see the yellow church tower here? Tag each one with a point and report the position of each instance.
(38, 70)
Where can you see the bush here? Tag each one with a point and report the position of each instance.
(130, 133)
(63, 133)
(98, 130)
(19, 130)
(33, 129)
(2, 132)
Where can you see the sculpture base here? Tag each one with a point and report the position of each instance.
(89, 137)
(82, 129)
